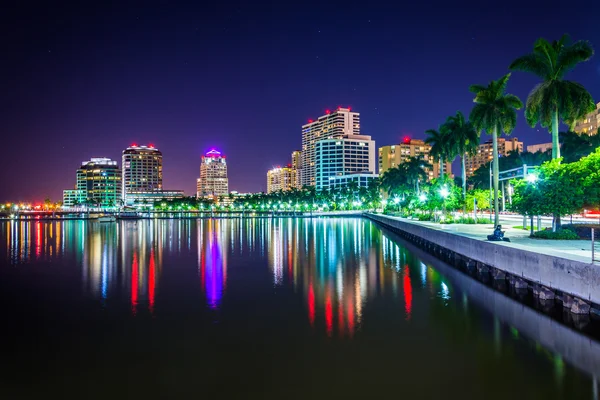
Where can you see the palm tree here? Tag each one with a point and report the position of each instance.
(394, 180)
(438, 140)
(414, 170)
(494, 111)
(555, 97)
(464, 140)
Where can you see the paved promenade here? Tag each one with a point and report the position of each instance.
(578, 250)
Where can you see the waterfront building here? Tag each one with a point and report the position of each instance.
(281, 178)
(343, 156)
(98, 183)
(590, 124)
(394, 155)
(142, 170)
(361, 179)
(142, 198)
(485, 153)
(74, 197)
(213, 181)
(297, 165)
(332, 125)
(543, 147)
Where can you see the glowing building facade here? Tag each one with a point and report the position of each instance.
(332, 125)
(342, 158)
(98, 184)
(485, 153)
(142, 170)
(590, 124)
(280, 178)
(213, 181)
(394, 155)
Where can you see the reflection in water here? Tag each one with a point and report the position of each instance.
(339, 271)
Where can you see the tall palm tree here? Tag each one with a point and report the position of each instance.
(464, 140)
(414, 170)
(494, 112)
(440, 150)
(555, 97)
(394, 180)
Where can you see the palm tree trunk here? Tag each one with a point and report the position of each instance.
(555, 154)
(464, 183)
(555, 143)
(495, 176)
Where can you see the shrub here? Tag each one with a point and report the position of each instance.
(561, 234)
(425, 217)
(584, 231)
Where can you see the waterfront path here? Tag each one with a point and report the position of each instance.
(578, 250)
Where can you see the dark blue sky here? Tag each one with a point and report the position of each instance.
(83, 82)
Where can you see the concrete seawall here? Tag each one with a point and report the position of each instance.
(578, 349)
(564, 276)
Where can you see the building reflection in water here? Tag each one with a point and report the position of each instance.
(212, 256)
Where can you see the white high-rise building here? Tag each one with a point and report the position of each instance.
(142, 170)
(332, 125)
(213, 180)
(338, 160)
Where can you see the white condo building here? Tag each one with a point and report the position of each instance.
(342, 160)
(332, 125)
(213, 180)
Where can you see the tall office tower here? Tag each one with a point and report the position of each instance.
(332, 125)
(297, 166)
(98, 183)
(590, 124)
(341, 159)
(394, 155)
(142, 170)
(280, 178)
(485, 153)
(213, 175)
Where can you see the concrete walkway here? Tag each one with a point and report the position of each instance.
(578, 250)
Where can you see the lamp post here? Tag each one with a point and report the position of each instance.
(531, 179)
(491, 195)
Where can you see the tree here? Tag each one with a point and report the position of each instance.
(575, 145)
(494, 111)
(440, 149)
(555, 97)
(394, 180)
(463, 140)
(414, 168)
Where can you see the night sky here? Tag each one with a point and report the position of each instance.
(87, 81)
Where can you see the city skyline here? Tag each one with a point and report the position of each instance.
(80, 91)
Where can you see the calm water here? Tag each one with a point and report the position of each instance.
(259, 308)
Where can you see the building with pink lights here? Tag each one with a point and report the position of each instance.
(213, 181)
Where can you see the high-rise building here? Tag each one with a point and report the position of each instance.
(485, 153)
(280, 178)
(98, 183)
(394, 155)
(346, 155)
(297, 165)
(590, 124)
(332, 125)
(142, 170)
(213, 180)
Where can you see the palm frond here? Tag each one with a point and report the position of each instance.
(532, 63)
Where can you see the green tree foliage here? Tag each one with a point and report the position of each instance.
(555, 98)
(462, 140)
(561, 189)
(494, 112)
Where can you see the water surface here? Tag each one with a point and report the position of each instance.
(265, 308)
